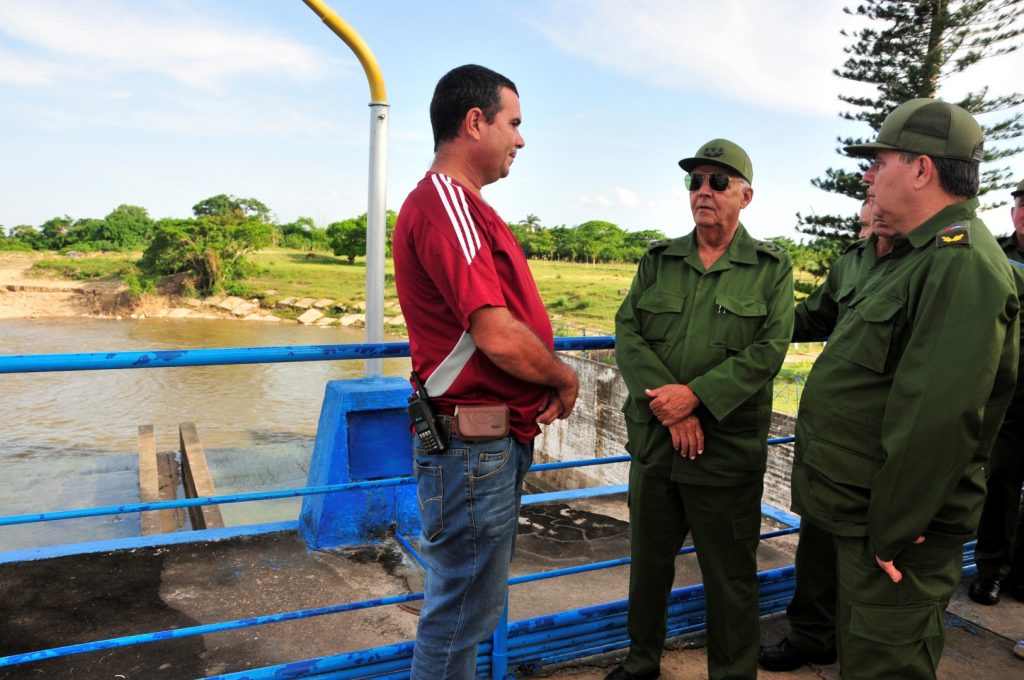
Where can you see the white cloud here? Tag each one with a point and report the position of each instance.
(22, 71)
(776, 55)
(627, 197)
(117, 37)
(595, 199)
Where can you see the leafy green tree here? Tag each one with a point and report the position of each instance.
(597, 239)
(348, 237)
(303, 234)
(127, 227)
(55, 232)
(28, 235)
(213, 245)
(910, 48)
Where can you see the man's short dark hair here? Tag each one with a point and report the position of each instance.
(957, 178)
(460, 90)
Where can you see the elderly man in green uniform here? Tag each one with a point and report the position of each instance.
(899, 413)
(812, 611)
(999, 553)
(700, 336)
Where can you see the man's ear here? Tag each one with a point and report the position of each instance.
(748, 196)
(924, 170)
(473, 122)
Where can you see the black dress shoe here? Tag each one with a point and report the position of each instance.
(984, 590)
(785, 656)
(620, 673)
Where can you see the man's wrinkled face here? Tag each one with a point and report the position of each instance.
(1017, 215)
(721, 209)
(890, 182)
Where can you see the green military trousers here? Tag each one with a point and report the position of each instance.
(1000, 549)
(725, 522)
(812, 611)
(893, 631)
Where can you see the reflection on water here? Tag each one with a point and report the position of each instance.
(69, 440)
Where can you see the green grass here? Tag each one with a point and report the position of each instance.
(86, 268)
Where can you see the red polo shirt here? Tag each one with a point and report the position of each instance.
(453, 255)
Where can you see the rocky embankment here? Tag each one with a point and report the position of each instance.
(23, 296)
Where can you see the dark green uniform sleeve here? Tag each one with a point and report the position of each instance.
(961, 353)
(740, 376)
(643, 369)
(816, 315)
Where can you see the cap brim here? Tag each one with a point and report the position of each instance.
(689, 164)
(867, 150)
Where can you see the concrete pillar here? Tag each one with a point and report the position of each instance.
(363, 434)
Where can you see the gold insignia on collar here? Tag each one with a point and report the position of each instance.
(952, 239)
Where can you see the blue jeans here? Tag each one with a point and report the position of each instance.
(469, 502)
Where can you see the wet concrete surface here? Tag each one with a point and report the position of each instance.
(85, 598)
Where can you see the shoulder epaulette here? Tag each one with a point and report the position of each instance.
(659, 245)
(955, 235)
(773, 249)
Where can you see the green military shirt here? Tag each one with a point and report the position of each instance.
(900, 410)
(1011, 248)
(817, 314)
(722, 331)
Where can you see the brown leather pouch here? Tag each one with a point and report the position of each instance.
(482, 422)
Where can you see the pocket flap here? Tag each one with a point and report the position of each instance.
(658, 301)
(895, 626)
(879, 308)
(742, 305)
(840, 464)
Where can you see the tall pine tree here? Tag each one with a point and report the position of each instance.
(910, 48)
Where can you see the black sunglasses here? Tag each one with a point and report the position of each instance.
(718, 181)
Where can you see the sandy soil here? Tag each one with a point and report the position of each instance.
(25, 296)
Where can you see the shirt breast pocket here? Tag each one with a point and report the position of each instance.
(660, 314)
(737, 320)
(867, 335)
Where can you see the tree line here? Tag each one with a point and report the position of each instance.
(902, 48)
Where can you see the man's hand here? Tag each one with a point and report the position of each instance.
(672, 403)
(552, 411)
(890, 567)
(515, 348)
(688, 437)
(567, 394)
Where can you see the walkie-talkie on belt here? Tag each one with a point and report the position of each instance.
(422, 416)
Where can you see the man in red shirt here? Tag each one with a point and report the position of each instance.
(479, 334)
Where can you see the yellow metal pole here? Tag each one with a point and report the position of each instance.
(377, 204)
(378, 94)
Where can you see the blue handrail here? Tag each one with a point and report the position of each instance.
(200, 357)
(97, 361)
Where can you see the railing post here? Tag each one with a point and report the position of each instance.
(363, 434)
(499, 646)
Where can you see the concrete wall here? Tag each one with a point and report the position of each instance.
(597, 429)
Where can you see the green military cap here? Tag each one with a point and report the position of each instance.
(929, 127)
(722, 152)
(1019, 190)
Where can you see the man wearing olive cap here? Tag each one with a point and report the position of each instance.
(898, 415)
(999, 553)
(701, 334)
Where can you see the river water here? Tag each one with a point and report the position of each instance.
(70, 440)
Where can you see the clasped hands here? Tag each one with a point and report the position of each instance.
(673, 405)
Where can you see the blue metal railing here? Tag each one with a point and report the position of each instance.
(201, 357)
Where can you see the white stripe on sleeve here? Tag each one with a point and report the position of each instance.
(443, 194)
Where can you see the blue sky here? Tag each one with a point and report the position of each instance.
(165, 102)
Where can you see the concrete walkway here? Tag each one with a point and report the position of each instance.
(86, 598)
